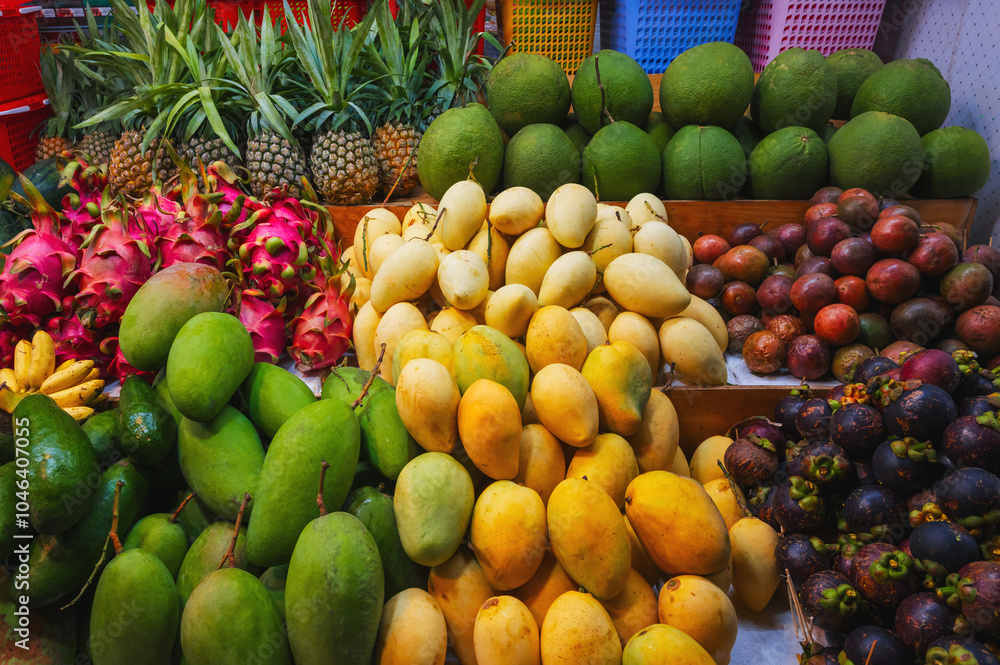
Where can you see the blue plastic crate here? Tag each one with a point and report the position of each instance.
(654, 32)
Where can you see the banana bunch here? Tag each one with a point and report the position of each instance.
(75, 385)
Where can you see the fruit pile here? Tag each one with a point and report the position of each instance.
(887, 495)
(858, 276)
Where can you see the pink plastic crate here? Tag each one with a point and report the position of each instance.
(768, 27)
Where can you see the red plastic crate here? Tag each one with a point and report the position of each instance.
(20, 75)
(20, 129)
(227, 13)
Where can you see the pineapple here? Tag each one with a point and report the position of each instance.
(58, 76)
(132, 168)
(98, 146)
(461, 71)
(344, 166)
(94, 96)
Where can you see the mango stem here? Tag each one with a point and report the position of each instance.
(229, 556)
(177, 513)
(371, 379)
(322, 480)
(112, 537)
(113, 534)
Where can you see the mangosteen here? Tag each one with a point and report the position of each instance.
(831, 600)
(798, 506)
(762, 427)
(922, 618)
(875, 510)
(943, 543)
(813, 421)
(904, 465)
(761, 501)
(848, 545)
(858, 429)
(884, 575)
(788, 408)
(870, 645)
(863, 474)
(975, 591)
(822, 659)
(979, 405)
(751, 461)
(849, 393)
(958, 650)
(974, 441)
(879, 388)
(979, 382)
(801, 556)
(919, 499)
(825, 464)
(971, 497)
(794, 452)
(990, 548)
(872, 367)
(932, 366)
(919, 410)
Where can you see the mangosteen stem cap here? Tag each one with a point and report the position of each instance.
(891, 567)
(843, 599)
(914, 450)
(989, 420)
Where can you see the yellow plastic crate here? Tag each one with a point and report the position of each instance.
(559, 29)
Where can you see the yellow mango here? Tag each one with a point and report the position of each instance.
(565, 404)
(570, 214)
(641, 563)
(755, 572)
(605, 310)
(432, 503)
(508, 534)
(588, 537)
(419, 213)
(620, 377)
(646, 285)
(541, 462)
(548, 583)
(516, 210)
(368, 230)
(352, 263)
(609, 463)
(479, 311)
(412, 630)
(693, 351)
(724, 578)
(578, 631)
(666, 509)
(427, 399)
(680, 464)
(462, 210)
(609, 239)
(510, 309)
(555, 336)
(726, 499)
(382, 248)
(461, 589)
(489, 426)
(421, 344)
(704, 463)
(418, 231)
(410, 271)
(660, 644)
(492, 247)
(702, 610)
(655, 442)
(452, 323)
(530, 257)
(398, 320)
(633, 609)
(386, 216)
(689, 250)
(365, 325)
(463, 279)
(362, 292)
(659, 240)
(646, 207)
(640, 333)
(486, 353)
(702, 312)
(593, 329)
(528, 415)
(605, 211)
(506, 634)
(568, 280)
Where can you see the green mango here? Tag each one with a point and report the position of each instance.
(50, 638)
(346, 384)
(161, 307)
(60, 564)
(160, 535)
(334, 592)
(104, 433)
(8, 486)
(374, 509)
(274, 579)
(206, 553)
(135, 612)
(289, 480)
(231, 619)
(222, 460)
(162, 390)
(62, 468)
(195, 518)
(209, 359)
(271, 395)
(148, 431)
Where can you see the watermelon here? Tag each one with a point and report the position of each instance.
(7, 176)
(45, 176)
(10, 226)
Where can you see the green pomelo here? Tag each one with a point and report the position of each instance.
(525, 89)
(542, 158)
(878, 152)
(460, 140)
(746, 134)
(620, 162)
(796, 89)
(851, 66)
(703, 163)
(628, 94)
(659, 130)
(791, 163)
(709, 84)
(912, 89)
(957, 163)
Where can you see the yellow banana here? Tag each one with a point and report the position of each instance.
(7, 379)
(9, 399)
(22, 358)
(64, 364)
(43, 359)
(79, 412)
(78, 395)
(100, 400)
(76, 373)
(94, 374)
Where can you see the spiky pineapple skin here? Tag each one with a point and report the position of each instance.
(130, 171)
(207, 152)
(50, 146)
(393, 144)
(344, 167)
(98, 146)
(274, 163)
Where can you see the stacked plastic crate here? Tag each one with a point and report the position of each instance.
(23, 103)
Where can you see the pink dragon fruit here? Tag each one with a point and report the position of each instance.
(119, 368)
(265, 323)
(32, 281)
(9, 337)
(159, 209)
(322, 333)
(234, 204)
(275, 256)
(81, 207)
(116, 262)
(74, 341)
(195, 236)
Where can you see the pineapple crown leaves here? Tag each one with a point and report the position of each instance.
(57, 70)
(456, 43)
(399, 71)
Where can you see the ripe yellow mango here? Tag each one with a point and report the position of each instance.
(421, 344)
(505, 633)
(463, 279)
(516, 210)
(492, 247)
(646, 285)
(461, 589)
(593, 329)
(565, 404)
(382, 248)
(605, 310)
(704, 463)
(568, 280)
(693, 351)
(609, 239)
(427, 400)
(641, 563)
(419, 213)
(620, 377)
(362, 292)
(398, 320)
(368, 230)
(407, 275)
(609, 463)
(433, 506)
(702, 610)
(508, 534)
(588, 537)
(365, 326)
(689, 250)
(633, 609)
(412, 630)
(570, 214)
(479, 311)
(727, 499)
(680, 465)
(640, 333)
(605, 211)
(655, 442)
(645, 207)
(724, 578)
(755, 572)
(555, 336)
(462, 210)
(660, 644)
(578, 631)
(548, 583)
(510, 309)
(530, 257)
(485, 353)
(418, 231)
(489, 426)
(541, 462)
(659, 240)
(702, 312)
(666, 509)
(386, 216)
(452, 323)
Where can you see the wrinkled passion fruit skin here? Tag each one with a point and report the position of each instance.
(875, 510)
(808, 357)
(740, 328)
(882, 645)
(883, 575)
(945, 543)
(764, 352)
(974, 441)
(934, 367)
(858, 429)
(846, 360)
(952, 649)
(922, 618)
(922, 412)
(801, 556)
(831, 600)
(977, 590)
